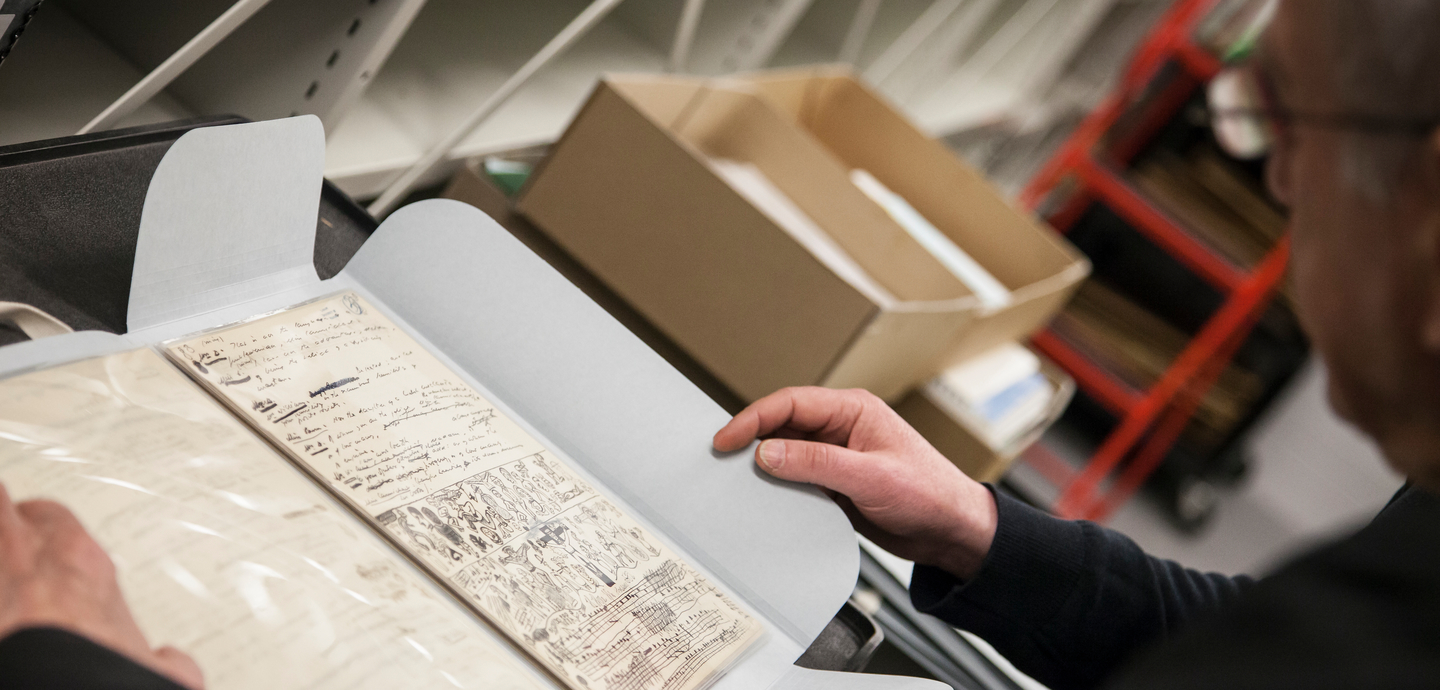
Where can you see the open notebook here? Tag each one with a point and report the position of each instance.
(444, 479)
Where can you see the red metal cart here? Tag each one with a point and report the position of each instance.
(1086, 170)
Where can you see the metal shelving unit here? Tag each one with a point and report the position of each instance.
(99, 64)
(1088, 170)
(394, 79)
(957, 65)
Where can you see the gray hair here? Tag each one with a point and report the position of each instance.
(1386, 62)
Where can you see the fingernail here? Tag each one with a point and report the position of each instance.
(772, 454)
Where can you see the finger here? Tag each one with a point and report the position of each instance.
(180, 667)
(823, 411)
(48, 517)
(66, 540)
(10, 520)
(823, 464)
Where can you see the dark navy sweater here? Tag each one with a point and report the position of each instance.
(1076, 605)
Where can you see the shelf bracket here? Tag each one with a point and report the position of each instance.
(859, 30)
(911, 39)
(568, 36)
(175, 65)
(998, 46)
(685, 34)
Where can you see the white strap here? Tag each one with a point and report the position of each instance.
(35, 323)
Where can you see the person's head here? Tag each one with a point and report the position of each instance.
(1365, 209)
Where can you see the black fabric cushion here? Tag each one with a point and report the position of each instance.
(55, 659)
(70, 215)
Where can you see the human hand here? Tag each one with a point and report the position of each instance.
(52, 573)
(895, 487)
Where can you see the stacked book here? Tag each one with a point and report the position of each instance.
(1001, 396)
(1137, 347)
(1216, 202)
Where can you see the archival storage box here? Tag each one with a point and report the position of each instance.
(934, 412)
(637, 190)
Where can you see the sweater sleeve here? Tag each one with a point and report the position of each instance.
(55, 659)
(1068, 601)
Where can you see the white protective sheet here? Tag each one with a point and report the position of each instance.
(221, 548)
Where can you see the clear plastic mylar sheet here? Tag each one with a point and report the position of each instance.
(223, 549)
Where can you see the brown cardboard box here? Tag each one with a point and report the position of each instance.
(631, 192)
(949, 433)
(473, 186)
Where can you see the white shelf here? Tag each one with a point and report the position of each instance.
(1003, 75)
(456, 53)
(964, 64)
(912, 47)
(1013, 150)
(741, 35)
(819, 34)
(733, 35)
(290, 57)
(459, 51)
(391, 77)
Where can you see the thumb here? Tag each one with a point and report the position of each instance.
(823, 464)
(180, 667)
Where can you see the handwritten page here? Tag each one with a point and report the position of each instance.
(223, 548)
(544, 556)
